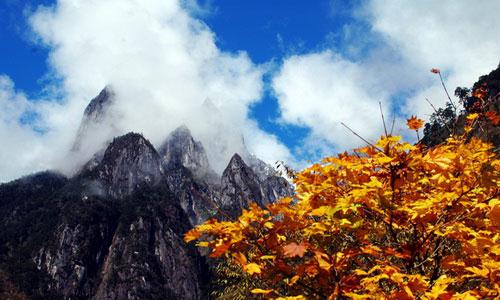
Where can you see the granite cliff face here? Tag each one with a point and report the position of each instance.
(128, 163)
(114, 230)
(241, 185)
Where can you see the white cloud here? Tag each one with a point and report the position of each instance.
(459, 37)
(163, 64)
(407, 39)
(22, 147)
(321, 90)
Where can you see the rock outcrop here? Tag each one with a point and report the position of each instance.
(240, 185)
(129, 162)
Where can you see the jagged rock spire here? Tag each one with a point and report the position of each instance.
(181, 149)
(98, 106)
(239, 186)
(129, 162)
(95, 115)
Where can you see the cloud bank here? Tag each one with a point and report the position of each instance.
(405, 39)
(321, 90)
(166, 71)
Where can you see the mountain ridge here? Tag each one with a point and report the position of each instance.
(114, 229)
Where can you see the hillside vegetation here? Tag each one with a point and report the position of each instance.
(389, 220)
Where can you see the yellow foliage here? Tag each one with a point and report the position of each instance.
(388, 221)
(252, 268)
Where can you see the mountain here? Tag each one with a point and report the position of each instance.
(111, 233)
(114, 229)
(189, 175)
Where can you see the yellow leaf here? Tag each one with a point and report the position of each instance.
(252, 268)
(439, 287)
(240, 258)
(261, 291)
(469, 295)
(322, 211)
(472, 117)
(374, 183)
(315, 228)
(382, 160)
(345, 222)
(269, 225)
(384, 141)
(322, 260)
(293, 280)
(265, 257)
(479, 272)
(355, 296)
(202, 244)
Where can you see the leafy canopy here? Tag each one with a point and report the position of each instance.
(390, 220)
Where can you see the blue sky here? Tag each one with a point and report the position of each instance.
(283, 74)
(24, 61)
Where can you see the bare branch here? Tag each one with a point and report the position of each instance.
(449, 98)
(435, 110)
(382, 114)
(363, 139)
(393, 122)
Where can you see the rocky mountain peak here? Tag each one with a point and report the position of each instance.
(235, 164)
(181, 149)
(132, 142)
(96, 125)
(240, 185)
(129, 162)
(98, 106)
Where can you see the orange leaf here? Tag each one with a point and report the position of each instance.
(293, 249)
(311, 270)
(192, 235)
(495, 215)
(293, 280)
(493, 117)
(323, 259)
(414, 123)
(240, 258)
(480, 93)
(220, 249)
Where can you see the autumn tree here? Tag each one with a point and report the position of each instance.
(387, 221)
